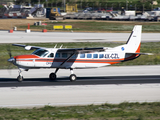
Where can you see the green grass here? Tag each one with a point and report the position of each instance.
(101, 26)
(122, 111)
(152, 47)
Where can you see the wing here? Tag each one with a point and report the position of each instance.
(77, 50)
(27, 47)
(83, 50)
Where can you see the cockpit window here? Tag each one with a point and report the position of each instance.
(40, 52)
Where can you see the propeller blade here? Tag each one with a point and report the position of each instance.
(10, 56)
(9, 51)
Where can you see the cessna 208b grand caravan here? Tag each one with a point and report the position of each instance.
(74, 58)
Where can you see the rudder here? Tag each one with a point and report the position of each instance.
(134, 40)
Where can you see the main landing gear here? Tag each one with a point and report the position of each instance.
(72, 77)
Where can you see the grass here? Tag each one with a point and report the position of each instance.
(151, 47)
(122, 111)
(100, 26)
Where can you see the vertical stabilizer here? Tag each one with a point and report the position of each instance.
(134, 41)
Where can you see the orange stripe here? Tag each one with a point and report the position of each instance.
(138, 50)
(26, 56)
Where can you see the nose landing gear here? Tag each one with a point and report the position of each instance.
(20, 77)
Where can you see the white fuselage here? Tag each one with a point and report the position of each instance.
(78, 60)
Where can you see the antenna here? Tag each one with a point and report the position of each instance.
(61, 46)
(55, 46)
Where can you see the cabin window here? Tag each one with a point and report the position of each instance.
(64, 55)
(51, 55)
(101, 55)
(95, 55)
(89, 55)
(82, 55)
(57, 55)
(74, 56)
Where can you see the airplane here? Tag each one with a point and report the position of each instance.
(77, 58)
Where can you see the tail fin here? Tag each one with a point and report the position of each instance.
(134, 41)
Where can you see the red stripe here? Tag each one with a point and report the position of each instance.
(30, 58)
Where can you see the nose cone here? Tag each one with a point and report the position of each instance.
(11, 59)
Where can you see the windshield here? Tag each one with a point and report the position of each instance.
(40, 52)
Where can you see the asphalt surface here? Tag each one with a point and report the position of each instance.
(100, 80)
(98, 76)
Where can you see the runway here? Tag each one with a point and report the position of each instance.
(101, 80)
(93, 86)
(85, 76)
(33, 37)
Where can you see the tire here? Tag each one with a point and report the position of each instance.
(20, 78)
(72, 77)
(52, 76)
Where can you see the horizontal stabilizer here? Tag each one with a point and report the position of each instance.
(141, 53)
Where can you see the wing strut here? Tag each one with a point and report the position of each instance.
(64, 62)
(67, 59)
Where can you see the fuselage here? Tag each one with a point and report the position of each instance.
(50, 58)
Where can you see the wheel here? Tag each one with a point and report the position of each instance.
(20, 78)
(52, 76)
(72, 77)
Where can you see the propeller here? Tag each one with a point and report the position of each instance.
(10, 60)
(9, 51)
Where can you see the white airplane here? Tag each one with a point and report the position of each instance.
(77, 58)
